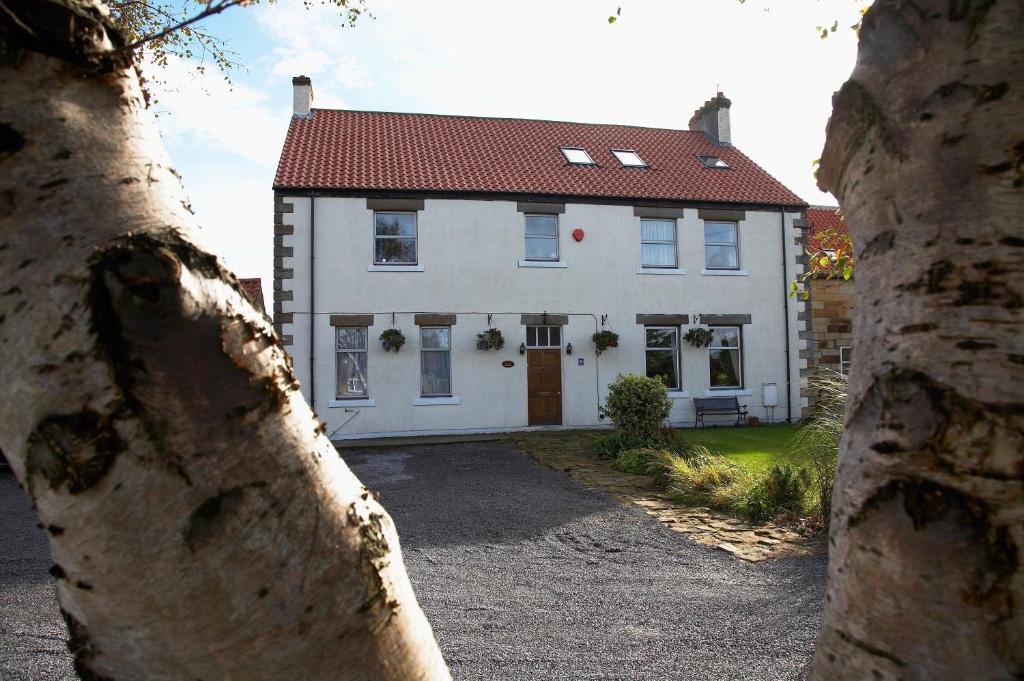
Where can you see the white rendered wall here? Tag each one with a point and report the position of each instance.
(470, 253)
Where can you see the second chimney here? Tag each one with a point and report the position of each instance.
(713, 120)
(302, 96)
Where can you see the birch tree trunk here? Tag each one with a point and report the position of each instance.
(925, 152)
(201, 524)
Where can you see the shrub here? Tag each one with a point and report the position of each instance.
(638, 405)
(817, 441)
(609, 446)
(781, 491)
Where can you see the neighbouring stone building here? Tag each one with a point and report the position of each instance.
(830, 312)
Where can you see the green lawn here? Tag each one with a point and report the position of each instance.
(752, 448)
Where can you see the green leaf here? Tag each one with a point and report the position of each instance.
(823, 260)
(847, 273)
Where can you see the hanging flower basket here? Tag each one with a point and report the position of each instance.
(392, 340)
(491, 339)
(698, 337)
(604, 340)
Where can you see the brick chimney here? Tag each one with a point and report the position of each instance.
(713, 120)
(302, 96)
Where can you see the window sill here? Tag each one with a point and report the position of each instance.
(661, 270)
(395, 268)
(429, 401)
(678, 394)
(543, 263)
(728, 392)
(351, 403)
(725, 273)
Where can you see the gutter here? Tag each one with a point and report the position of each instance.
(785, 312)
(312, 301)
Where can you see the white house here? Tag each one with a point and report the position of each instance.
(446, 226)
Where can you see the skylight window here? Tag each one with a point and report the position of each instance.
(577, 156)
(629, 158)
(713, 162)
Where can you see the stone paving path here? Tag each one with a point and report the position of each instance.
(570, 452)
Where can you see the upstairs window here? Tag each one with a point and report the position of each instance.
(662, 352)
(629, 158)
(351, 363)
(435, 361)
(725, 357)
(658, 243)
(721, 246)
(542, 237)
(577, 156)
(713, 162)
(394, 237)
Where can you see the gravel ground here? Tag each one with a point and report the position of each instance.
(523, 573)
(32, 634)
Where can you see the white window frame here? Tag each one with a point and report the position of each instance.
(547, 336)
(447, 350)
(674, 243)
(557, 240)
(735, 245)
(739, 354)
(845, 357)
(337, 352)
(641, 164)
(675, 354)
(416, 223)
(588, 162)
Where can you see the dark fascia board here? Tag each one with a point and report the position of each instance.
(547, 319)
(663, 319)
(538, 198)
(435, 319)
(725, 319)
(351, 320)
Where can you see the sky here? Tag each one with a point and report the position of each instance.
(556, 59)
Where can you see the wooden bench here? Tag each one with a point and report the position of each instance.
(715, 406)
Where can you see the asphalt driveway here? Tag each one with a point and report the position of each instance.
(523, 573)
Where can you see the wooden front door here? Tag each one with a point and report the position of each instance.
(544, 386)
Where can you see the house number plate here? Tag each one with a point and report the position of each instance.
(508, 364)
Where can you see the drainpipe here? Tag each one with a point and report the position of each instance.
(312, 300)
(785, 312)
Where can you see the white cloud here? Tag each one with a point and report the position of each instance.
(307, 62)
(204, 112)
(352, 73)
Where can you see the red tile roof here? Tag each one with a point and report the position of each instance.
(254, 289)
(819, 219)
(368, 150)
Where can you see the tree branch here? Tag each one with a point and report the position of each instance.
(208, 12)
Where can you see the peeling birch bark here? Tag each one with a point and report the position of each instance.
(925, 152)
(201, 524)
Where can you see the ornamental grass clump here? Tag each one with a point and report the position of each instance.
(638, 406)
(703, 479)
(817, 441)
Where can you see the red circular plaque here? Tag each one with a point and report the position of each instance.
(578, 234)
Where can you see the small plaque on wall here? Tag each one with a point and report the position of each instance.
(508, 364)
